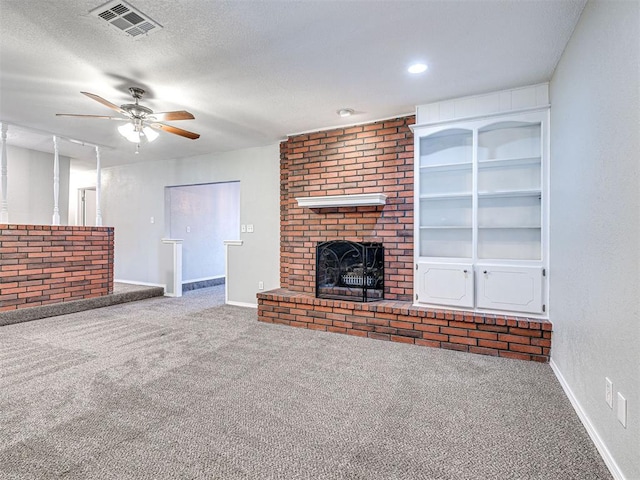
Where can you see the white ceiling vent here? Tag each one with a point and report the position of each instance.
(126, 18)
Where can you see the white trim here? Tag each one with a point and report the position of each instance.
(203, 279)
(329, 201)
(233, 243)
(591, 430)
(146, 284)
(241, 304)
(512, 100)
(480, 116)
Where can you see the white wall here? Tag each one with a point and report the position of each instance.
(132, 194)
(30, 187)
(204, 216)
(595, 223)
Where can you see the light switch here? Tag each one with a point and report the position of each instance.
(250, 228)
(243, 228)
(188, 229)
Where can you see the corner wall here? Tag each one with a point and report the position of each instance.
(138, 241)
(595, 225)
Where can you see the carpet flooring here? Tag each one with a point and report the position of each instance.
(190, 388)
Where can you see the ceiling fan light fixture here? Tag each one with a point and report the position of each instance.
(128, 131)
(150, 134)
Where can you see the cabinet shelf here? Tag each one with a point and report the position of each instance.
(445, 227)
(508, 162)
(510, 193)
(447, 166)
(444, 196)
(515, 227)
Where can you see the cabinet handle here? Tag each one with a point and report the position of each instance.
(464, 271)
(485, 272)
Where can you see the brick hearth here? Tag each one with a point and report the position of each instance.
(486, 334)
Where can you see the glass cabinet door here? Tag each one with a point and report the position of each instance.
(446, 194)
(509, 191)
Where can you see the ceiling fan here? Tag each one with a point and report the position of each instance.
(141, 120)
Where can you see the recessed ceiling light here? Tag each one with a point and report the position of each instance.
(345, 112)
(417, 68)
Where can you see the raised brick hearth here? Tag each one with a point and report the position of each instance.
(376, 158)
(498, 335)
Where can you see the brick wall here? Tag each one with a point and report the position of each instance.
(372, 158)
(41, 265)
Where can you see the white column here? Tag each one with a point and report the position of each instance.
(171, 267)
(227, 244)
(4, 206)
(98, 189)
(56, 182)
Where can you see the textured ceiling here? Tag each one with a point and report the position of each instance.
(254, 71)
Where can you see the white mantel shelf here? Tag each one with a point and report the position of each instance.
(332, 201)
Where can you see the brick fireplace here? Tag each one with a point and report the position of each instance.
(375, 158)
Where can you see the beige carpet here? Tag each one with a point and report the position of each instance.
(189, 388)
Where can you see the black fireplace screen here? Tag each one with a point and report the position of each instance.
(350, 271)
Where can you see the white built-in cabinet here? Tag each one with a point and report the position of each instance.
(481, 212)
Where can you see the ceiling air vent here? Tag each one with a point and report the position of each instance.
(126, 18)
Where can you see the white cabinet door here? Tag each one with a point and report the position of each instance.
(517, 289)
(445, 284)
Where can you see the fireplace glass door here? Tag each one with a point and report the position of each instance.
(350, 271)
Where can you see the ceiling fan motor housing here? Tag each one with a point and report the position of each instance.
(136, 110)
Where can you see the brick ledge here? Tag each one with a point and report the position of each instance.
(486, 334)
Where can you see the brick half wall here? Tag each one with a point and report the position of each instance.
(41, 265)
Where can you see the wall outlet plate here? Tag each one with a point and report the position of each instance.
(608, 393)
(250, 228)
(622, 410)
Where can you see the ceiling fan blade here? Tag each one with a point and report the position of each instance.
(175, 130)
(105, 117)
(106, 103)
(171, 116)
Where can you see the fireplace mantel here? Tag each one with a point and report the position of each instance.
(332, 201)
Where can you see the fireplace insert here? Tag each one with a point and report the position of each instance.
(350, 271)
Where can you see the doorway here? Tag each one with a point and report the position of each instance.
(203, 216)
(87, 206)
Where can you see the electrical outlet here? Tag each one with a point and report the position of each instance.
(622, 410)
(250, 228)
(188, 229)
(608, 394)
(153, 220)
(260, 285)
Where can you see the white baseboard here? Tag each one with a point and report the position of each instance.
(595, 438)
(241, 304)
(203, 279)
